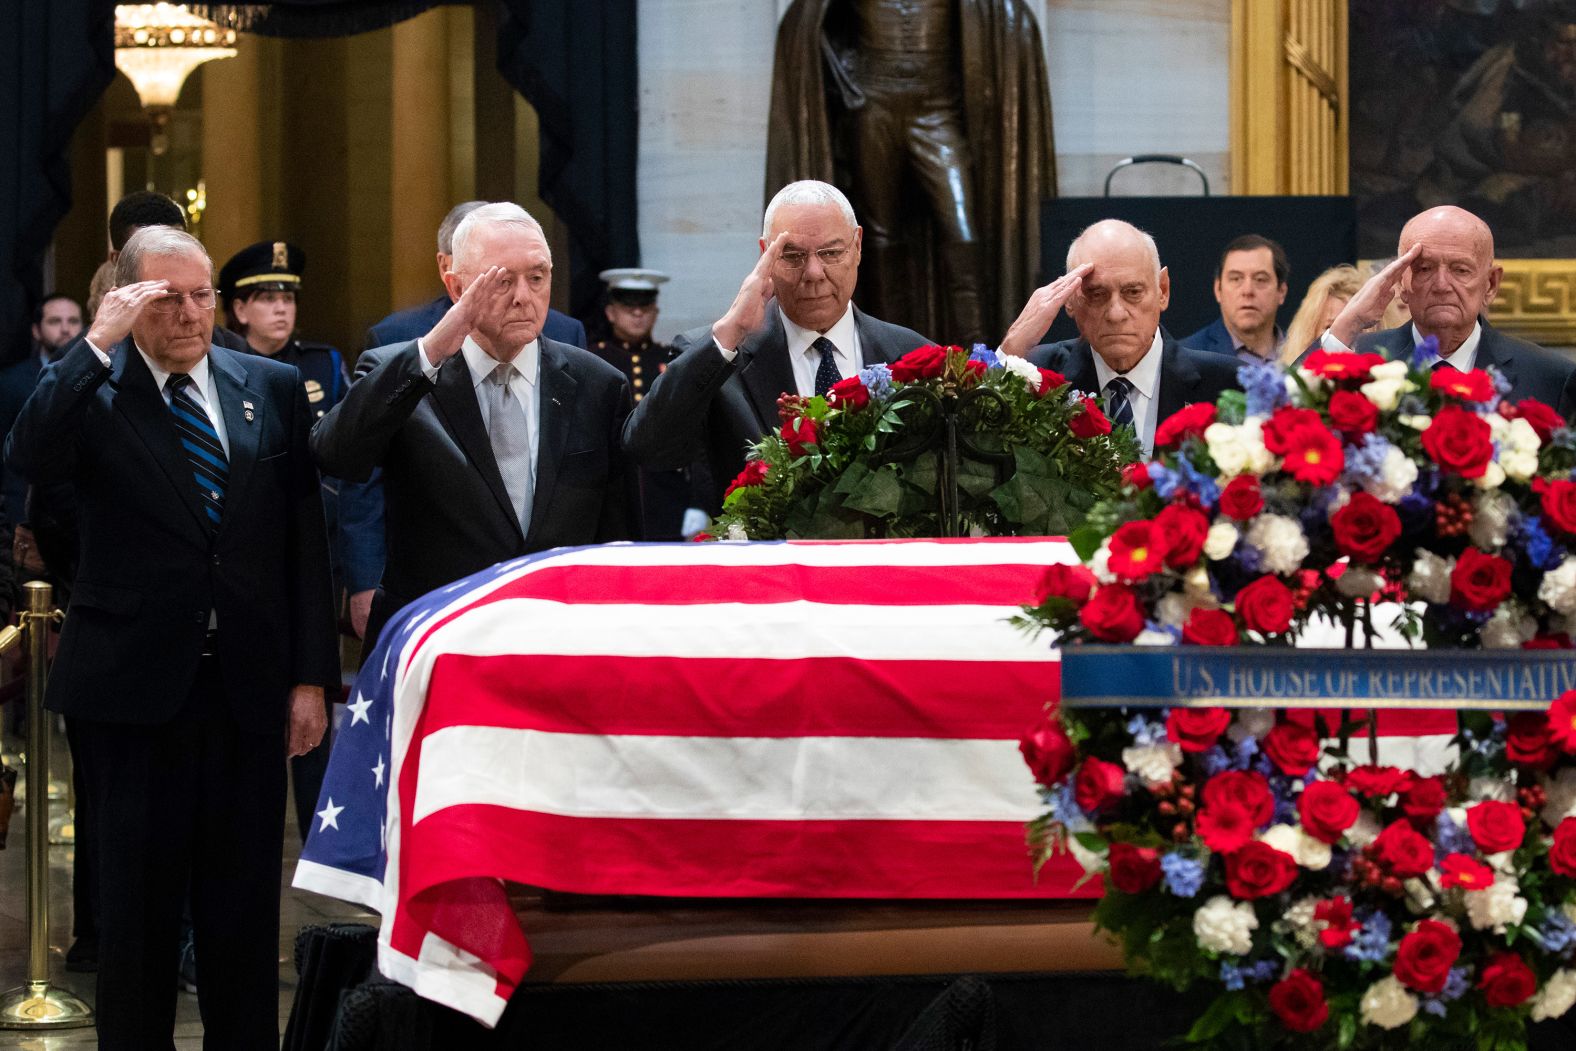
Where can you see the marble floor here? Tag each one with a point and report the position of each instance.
(297, 909)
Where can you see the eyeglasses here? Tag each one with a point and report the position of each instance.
(829, 258)
(170, 302)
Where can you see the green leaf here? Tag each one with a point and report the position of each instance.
(1086, 540)
(1216, 1020)
(880, 493)
(1232, 407)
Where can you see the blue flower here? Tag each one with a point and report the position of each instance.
(1425, 353)
(1248, 557)
(1183, 875)
(984, 354)
(1541, 551)
(1215, 761)
(1231, 976)
(1062, 802)
(877, 380)
(1199, 484)
(1365, 460)
(1451, 838)
(1264, 382)
(1164, 479)
(1264, 970)
(1501, 383)
(1371, 944)
(1457, 984)
(1146, 732)
(1557, 933)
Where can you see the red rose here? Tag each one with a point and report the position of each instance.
(1073, 583)
(1247, 789)
(1279, 427)
(1496, 826)
(1242, 498)
(1184, 529)
(1298, 1001)
(1050, 381)
(1197, 729)
(1293, 748)
(1091, 422)
(1562, 721)
(1259, 870)
(1113, 614)
(1327, 811)
(1468, 873)
(921, 363)
(1138, 550)
(1478, 581)
(1336, 915)
(1266, 606)
(1099, 785)
(1544, 420)
(1226, 828)
(798, 433)
(1528, 742)
(1559, 504)
(1562, 852)
(849, 394)
(1190, 420)
(1460, 441)
(974, 370)
(1365, 528)
(1403, 851)
(1341, 365)
(1315, 456)
(1475, 385)
(1425, 956)
(1422, 798)
(1133, 869)
(1352, 414)
(1136, 474)
(1049, 752)
(1376, 781)
(1560, 641)
(754, 473)
(1507, 980)
(701, 538)
(1209, 627)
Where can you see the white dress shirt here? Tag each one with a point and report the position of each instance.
(1145, 396)
(527, 366)
(805, 359)
(203, 389)
(1465, 357)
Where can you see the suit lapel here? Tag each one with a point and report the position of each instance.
(766, 372)
(554, 409)
(244, 435)
(455, 396)
(1080, 369)
(1491, 351)
(1178, 379)
(137, 398)
(874, 347)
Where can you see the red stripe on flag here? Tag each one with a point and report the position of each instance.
(727, 697)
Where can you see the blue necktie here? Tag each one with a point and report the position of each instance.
(210, 468)
(827, 376)
(1117, 407)
(1441, 365)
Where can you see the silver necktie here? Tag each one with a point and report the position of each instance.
(511, 442)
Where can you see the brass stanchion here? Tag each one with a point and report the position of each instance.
(38, 1005)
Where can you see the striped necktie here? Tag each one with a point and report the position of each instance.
(1117, 407)
(210, 468)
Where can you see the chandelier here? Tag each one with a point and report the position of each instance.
(157, 46)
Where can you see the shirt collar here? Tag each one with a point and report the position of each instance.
(842, 335)
(198, 372)
(1145, 376)
(1465, 356)
(1241, 349)
(482, 363)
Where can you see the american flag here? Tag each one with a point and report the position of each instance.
(803, 719)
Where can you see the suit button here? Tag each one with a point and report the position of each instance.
(216, 560)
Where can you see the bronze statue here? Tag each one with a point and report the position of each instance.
(935, 115)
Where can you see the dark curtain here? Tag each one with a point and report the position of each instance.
(313, 18)
(61, 57)
(576, 62)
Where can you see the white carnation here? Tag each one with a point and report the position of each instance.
(1308, 852)
(1430, 577)
(1223, 925)
(1397, 472)
(1153, 763)
(1220, 541)
(1557, 995)
(1498, 906)
(1559, 588)
(1388, 1005)
(1280, 541)
(1021, 368)
(1298, 922)
(1561, 802)
(1518, 449)
(1238, 450)
(1508, 628)
(1491, 520)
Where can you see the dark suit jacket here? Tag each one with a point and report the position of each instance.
(1532, 371)
(1213, 337)
(415, 322)
(704, 405)
(151, 571)
(17, 381)
(1186, 375)
(449, 514)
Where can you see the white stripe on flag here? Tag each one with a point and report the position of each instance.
(754, 778)
(875, 554)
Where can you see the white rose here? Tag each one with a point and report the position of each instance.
(1195, 584)
(1491, 520)
(1561, 802)
(1172, 609)
(1308, 852)
(1388, 1005)
(1397, 472)
(1226, 448)
(1314, 381)
(1280, 541)
(1020, 368)
(1508, 628)
(1222, 925)
(1430, 577)
(1150, 637)
(1558, 588)
(1498, 906)
(1220, 541)
(1556, 996)
(1389, 370)
(1493, 477)
(1153, 763)
(1417, 423)
(1518, 449)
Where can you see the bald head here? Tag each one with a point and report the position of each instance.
(1118, 307)
(1110, 239)
(1453, 279)
(1448, 224)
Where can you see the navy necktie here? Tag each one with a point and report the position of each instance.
(1442, 364)
(827, 376)
(210, 467)
(1117, 407)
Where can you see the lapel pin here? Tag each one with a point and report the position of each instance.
(246, 411)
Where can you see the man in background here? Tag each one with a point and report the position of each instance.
(1250, 286)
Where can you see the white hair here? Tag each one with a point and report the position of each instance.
(501, 213)
(153, 241)
(1075, 250)
(807, 191)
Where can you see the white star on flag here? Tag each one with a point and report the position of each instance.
(330, 815)
(377, 773)
(358, 710)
